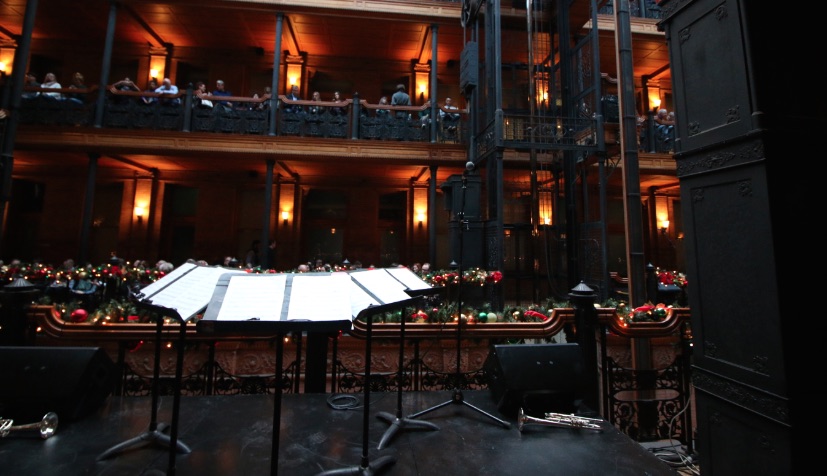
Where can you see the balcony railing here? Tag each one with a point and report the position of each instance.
(186, 112)
(349, 119)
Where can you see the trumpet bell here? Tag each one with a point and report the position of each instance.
(46, 426)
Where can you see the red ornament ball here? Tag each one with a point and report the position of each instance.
(79, 315)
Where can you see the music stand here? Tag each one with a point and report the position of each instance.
(457, 398)
(183, 292)
(155, 435)
(398, 422)
(366, 467)
(277, 304)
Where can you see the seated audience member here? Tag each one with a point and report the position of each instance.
(665, 125)
(337, 111)
(383, 112)
(199, 96)
(265, 103)
(168, 88)
(660, 118)
(77, 83)
(449, 119)
(221, 91)
(425, 115)
(151, 87)
(293, 96)
(30, 82)
(50, 81)
(125, 84)
(316, 98)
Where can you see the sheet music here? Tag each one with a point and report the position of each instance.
(160, 284)
(254, 297)
(407, 277)
(310, 297)
(360, 299)
(382, 285)
(188, 291)
(320, 297)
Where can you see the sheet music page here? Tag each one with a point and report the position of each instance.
(320, 297)
(153, 288)
(360, 299)
(253, 297)
(382, 285)
(408, 278)
(192, 292)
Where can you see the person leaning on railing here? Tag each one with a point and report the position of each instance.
(123, 85)
(200, 96)
(151, 87)
(170, 91)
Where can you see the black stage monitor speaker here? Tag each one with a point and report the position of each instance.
(70, 381)
(539, 378)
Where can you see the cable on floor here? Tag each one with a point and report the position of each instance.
(344, 401)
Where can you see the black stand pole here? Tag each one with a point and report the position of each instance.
(274, 451)
(365, 468)
(457, 397)
(155, 433)
(397, 422)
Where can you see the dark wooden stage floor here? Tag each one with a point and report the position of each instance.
(232, 435)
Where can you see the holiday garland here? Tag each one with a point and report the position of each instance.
(121, 277)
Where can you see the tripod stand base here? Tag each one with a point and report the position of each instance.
(149, 437)
(400, 424)
(457, 398)
(374, 467)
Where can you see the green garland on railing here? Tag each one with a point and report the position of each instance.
(128, 275)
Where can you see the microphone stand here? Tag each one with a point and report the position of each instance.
(457, 397)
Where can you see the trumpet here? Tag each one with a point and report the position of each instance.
(559, 420)
(46, 426)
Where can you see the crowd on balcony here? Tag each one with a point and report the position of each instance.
(166, 106)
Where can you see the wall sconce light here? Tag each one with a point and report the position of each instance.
(140, 211)
(285, 216)
(420, 217)
(293, 74)
(153, 73)
(2, 66)
(664, 226)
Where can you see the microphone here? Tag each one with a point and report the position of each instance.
(470, 166)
